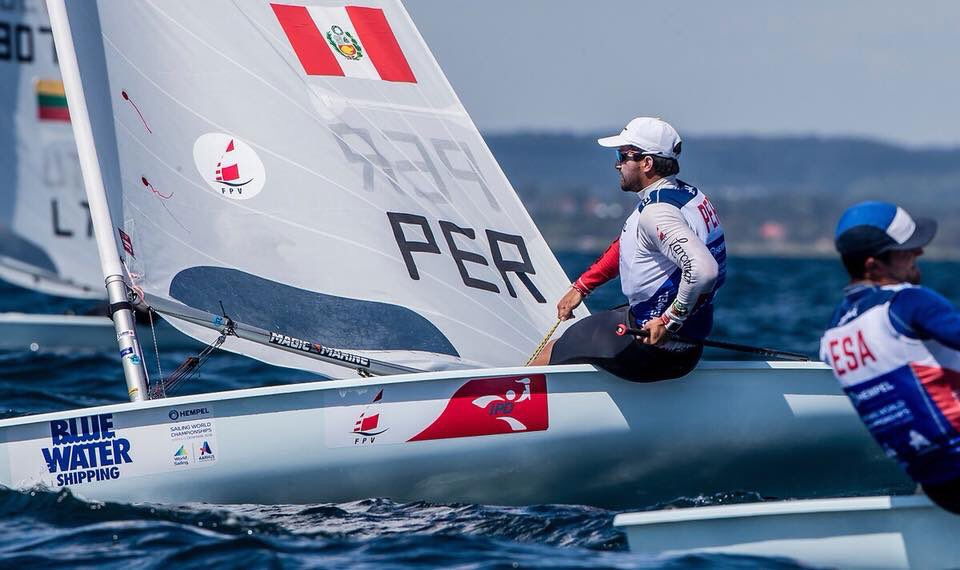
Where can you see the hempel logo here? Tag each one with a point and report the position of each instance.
(187, 413)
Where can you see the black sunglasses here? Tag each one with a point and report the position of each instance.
(630, 155)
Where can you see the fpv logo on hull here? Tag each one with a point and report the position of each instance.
(367, 427)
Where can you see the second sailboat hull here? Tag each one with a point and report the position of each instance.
(24, 331)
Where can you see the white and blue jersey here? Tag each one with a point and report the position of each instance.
(673, 255)
(896, 351)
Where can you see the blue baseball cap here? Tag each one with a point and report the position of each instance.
(872, 228)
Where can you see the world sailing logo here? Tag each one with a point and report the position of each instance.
(181, 457)
(229, 166)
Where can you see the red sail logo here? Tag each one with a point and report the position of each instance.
(368, 424)
(488, 406)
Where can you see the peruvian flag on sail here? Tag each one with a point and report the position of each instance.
(349, 41)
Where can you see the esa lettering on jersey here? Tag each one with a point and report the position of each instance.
(849, 352)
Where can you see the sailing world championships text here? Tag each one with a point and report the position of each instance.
(85, 449)
(305, 346)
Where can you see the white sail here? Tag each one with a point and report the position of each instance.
(46, 238)
(307, 170)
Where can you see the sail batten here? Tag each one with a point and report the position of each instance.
(308, 196)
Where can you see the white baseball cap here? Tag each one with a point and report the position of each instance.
(649, 134)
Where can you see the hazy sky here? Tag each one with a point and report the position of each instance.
(882, 69)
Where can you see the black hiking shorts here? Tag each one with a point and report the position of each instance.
(593, 340)
(945, 495)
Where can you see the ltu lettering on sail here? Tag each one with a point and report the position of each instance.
(85, 449)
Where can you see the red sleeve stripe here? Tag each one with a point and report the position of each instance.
(605, 268)
(307, 41)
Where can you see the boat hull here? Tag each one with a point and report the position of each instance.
(557, 434)
(862, 532)
(22, 331)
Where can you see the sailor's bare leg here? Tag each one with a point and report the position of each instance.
(543, 358)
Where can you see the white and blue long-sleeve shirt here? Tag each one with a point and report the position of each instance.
(896, 351)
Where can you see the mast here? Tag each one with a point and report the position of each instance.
(121, 311)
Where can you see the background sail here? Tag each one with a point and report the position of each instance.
(308, 170)
(46, 239)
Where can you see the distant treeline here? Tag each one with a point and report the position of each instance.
(778, 195)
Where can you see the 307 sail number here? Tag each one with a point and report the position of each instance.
(18, 42)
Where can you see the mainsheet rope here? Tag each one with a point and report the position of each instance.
(543, 342)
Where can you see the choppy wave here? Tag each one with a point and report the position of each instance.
(777, 303)
(42, 528)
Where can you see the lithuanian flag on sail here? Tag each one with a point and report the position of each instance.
(51, 101)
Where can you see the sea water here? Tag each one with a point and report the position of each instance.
(777, 303)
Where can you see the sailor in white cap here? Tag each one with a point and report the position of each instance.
(671, 260)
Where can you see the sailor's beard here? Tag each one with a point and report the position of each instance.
(628, 187)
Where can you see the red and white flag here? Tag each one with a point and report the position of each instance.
(349, 41)
(126, 242)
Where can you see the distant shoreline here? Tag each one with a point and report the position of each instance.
(595, 246)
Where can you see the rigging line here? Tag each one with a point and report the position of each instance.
(459, 185)
(397, 260)
(188, 369)
(156, 346)
(543, 342)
